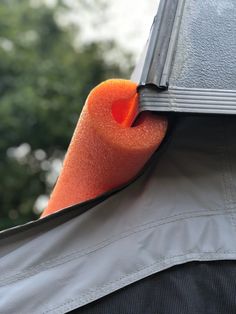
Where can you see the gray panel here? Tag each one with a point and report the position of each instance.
(206, 51)
(204, 58)
(183, 209)
(155, 63)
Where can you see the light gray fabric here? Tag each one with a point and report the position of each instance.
(181, 210)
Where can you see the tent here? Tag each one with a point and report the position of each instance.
(164, 242)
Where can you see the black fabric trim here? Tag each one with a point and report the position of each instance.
(192, 288)
(67, 214)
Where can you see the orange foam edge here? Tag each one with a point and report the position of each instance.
(107, 117)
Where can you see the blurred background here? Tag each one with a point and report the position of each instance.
(52, 53)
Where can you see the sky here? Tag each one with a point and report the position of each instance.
(128, 22)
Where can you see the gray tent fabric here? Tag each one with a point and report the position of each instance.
(182, 209)
(191, 54)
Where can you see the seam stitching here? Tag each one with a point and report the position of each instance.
(166, 262)
(75, 255)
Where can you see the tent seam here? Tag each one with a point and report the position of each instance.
(42, 267)
(91, 295)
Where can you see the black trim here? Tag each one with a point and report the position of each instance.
(67, 214)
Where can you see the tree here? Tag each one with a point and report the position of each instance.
(44, 83)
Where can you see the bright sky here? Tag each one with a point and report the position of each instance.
(126, 21)
(130, 22)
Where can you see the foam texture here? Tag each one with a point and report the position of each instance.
(105, 151)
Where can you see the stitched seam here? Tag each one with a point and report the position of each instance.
(90, 294)
(222, 164)
(114, 238)
(233, 218)
(227, 192)
(228, 173)
(120, 235)
(28, 273)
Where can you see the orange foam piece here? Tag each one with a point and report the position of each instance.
(106, 151)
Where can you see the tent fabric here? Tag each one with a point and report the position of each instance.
(193, 58)
(181, 210)
(196, 287)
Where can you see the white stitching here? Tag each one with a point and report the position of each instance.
(30, 272)
(91, 294)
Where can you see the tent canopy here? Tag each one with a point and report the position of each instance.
(189, 64)
(181, 209)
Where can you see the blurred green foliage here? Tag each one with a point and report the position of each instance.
(44, 81)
